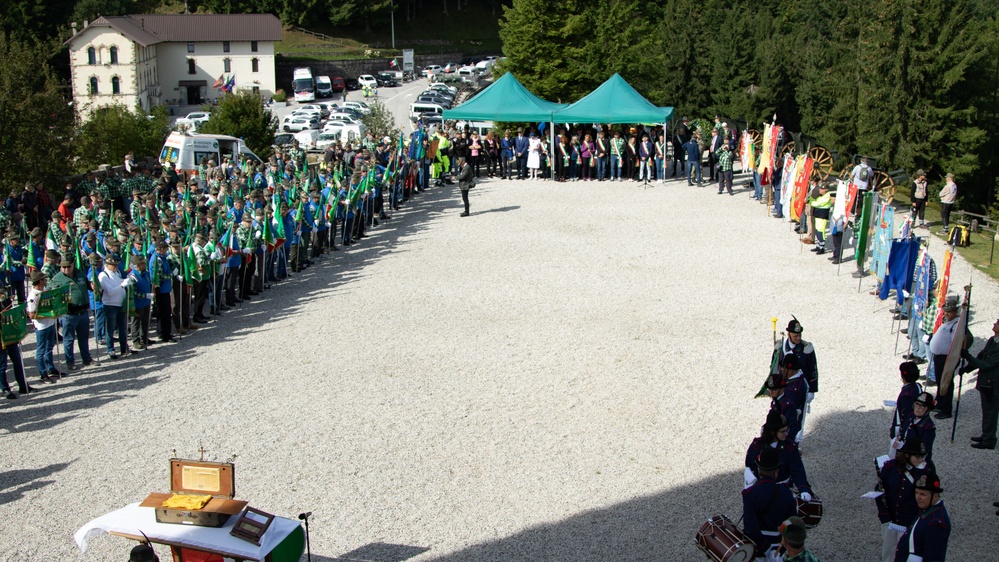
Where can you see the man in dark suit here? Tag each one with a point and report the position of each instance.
(520, 147)
(987, 363)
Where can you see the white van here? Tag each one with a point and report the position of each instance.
(416, 110)
(185, 151)
(324, 87)
(343, 133)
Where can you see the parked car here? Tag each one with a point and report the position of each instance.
(194, 120)
(433, 70)
(451, 67)
(367, 80)
(434, 100)
(444, 88)
(312, 111)
(352, 85)
(386, 80)
(324, 87)
(338, 84)
(342, 118)
(358, 106)
(439, 93)
(299, 123)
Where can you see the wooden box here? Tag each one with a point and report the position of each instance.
(199, 478)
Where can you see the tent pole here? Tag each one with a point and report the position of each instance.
(551, 148)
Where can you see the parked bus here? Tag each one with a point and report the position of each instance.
(305, 86)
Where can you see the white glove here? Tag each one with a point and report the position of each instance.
(315, 224)
(126, 283)
(748, 477)
(806, 496)
(150, 296)
(809, 397)
(246, 251)
(258, 235)
(905, 293)
(216, 255)
(926, 338)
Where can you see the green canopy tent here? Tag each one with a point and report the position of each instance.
(615, 101)
(505, 100)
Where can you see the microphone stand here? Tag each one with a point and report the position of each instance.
(308, 547)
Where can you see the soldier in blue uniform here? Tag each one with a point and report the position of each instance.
(919, 424)
(911, 389)
(782, 402)
(766, 504)
(897, 505)
(795, 392)
(790, 469)
(805, 353)
(926, 538)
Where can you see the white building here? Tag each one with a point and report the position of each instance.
(148, 60)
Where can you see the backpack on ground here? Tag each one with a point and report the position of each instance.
(959, 236)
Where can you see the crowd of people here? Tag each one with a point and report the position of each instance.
(153, 244)
(150, 244)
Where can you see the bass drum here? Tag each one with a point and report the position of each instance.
(810, 511)
(722, 541)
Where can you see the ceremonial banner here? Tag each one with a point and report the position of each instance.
(863, 229)
(921, 295)
(956, 345)
(747, 153)
(851, 199)
(942, 293)
(883, 229)
(787, 183)
(803, 171)
(53, 303)
(13, 325)
(839, 209)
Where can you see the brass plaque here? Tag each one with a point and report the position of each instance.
(201, 478)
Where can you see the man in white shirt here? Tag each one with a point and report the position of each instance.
(114, 292)
(862, 175)
(939, 348)
(45, 330)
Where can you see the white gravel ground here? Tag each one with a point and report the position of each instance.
(565, 375)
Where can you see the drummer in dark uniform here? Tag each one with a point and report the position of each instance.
(790, 469)
(926, 537)
(766, 504)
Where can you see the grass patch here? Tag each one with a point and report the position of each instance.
(981, 242)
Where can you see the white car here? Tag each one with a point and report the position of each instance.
(194, 120)
(328, 137)
(433, 70)
(342, 118)
(444, 88)
(358, 106)
(303, 112)
(299, 123)
(367, 80)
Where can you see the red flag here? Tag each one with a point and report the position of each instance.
(942, 294)
(218, 83)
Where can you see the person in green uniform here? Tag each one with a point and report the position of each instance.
(793, 535)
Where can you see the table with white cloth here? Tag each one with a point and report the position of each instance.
(283, 541)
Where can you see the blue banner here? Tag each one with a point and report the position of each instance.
(884, 227)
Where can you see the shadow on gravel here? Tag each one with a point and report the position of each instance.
(838, 456)
(14, 483)
(114, 380)
(377, 552)
(498, 210)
